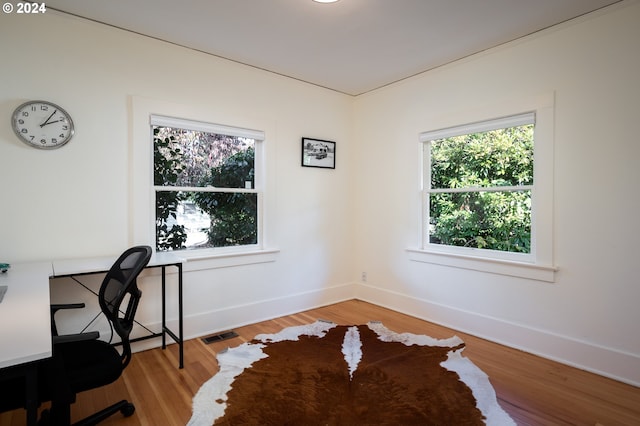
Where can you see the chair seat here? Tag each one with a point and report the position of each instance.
(89, 364)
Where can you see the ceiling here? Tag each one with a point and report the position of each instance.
(351, 46)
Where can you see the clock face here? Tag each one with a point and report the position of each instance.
(42, 124)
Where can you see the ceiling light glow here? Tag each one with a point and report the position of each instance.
(325, 1)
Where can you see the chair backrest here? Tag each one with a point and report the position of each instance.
(120, 287)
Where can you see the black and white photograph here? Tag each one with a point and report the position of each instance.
(318, 153)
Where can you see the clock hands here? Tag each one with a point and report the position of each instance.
(49, 118)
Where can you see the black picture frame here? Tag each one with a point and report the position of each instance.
(318, 153)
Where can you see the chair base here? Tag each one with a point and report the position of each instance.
(125, 407)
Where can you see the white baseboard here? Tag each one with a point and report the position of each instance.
(204, 324)
(621, 366)
(617, 365)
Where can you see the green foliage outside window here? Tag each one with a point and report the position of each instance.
(167, 165)
(234, 215)
(479, 214)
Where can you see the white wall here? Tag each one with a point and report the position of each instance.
(589, 316)
(75, 201)
(331, 225)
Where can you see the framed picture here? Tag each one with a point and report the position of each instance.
(318, 153)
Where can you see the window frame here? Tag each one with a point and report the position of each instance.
(141, 222)
(538, 264)
(427, 138)
(258, 137)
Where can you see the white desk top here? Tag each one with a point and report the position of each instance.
(25, 319)
(65, 267)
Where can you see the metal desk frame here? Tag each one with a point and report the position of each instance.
(154, 263)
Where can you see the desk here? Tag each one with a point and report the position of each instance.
(25, 314)
(89, 266)
(25, 318)
(25, 326)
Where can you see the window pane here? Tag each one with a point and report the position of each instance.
(206, 219)
(197, 159)
(502, 157)
(487, 220)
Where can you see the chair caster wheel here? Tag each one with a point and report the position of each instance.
(128, 410)
(45, 418)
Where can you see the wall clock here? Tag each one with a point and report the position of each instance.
(42, 124)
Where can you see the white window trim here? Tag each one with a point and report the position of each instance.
(144, 112)
(538, 265)
(181, 123)
(479, 127)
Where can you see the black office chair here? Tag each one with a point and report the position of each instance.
(81, 362)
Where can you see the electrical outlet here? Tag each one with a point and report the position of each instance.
(363, 277)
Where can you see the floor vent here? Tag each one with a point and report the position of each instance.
(219, 337)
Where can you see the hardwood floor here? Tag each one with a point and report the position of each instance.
(533, 390)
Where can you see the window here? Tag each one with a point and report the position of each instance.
(206, 184)
(478, 184)
(487, 191)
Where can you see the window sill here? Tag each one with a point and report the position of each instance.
(212, 259)
(494, 266)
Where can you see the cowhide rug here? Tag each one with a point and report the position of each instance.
(326, 374)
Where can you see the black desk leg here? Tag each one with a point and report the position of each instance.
(164, 307)
(180, 331)
(31, 381)
(179, 339)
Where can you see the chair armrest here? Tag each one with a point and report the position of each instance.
(57, 307)
(79, 337)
